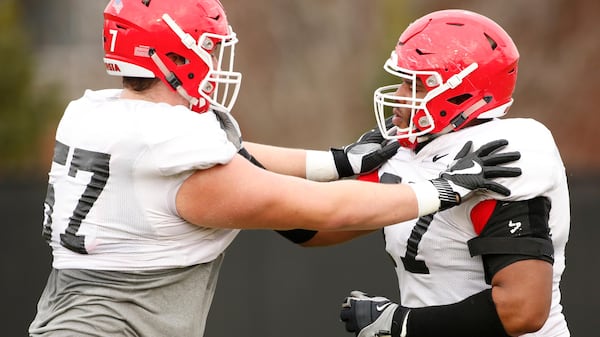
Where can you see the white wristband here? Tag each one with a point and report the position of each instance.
(428, 197)
(320, 166)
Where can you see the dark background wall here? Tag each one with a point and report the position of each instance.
(269, 287)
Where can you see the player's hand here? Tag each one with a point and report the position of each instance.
(473, 170)
(370, 316)
(368, 153)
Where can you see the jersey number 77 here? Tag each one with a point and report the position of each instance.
(79, 160)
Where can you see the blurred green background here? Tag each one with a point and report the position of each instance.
(309, 70)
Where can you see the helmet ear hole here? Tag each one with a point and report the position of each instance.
(458, 100)
(177, 59)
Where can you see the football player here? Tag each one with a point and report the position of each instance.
(491, 266)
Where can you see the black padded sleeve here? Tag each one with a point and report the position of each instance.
(515, 231)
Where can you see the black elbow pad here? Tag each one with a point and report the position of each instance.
(298, 236)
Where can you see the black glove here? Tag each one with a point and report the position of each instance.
(472, 171)
(372, 316)
(368, 153)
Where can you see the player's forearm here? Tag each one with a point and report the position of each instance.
(281, 160)
(336, 206)
(313, 165)
(240, 195)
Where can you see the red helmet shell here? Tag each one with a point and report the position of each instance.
(447, 42)
(132, 29)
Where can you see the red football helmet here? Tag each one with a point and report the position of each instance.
(139, 36)
(467, 64)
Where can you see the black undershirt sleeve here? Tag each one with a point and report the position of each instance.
(474, 316)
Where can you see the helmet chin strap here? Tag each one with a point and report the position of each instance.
(173, 81)
(456, 122)
(462, 117)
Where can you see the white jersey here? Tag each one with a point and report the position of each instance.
(117, 167)
(433, 262)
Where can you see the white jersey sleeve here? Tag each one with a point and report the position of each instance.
(116, 170)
